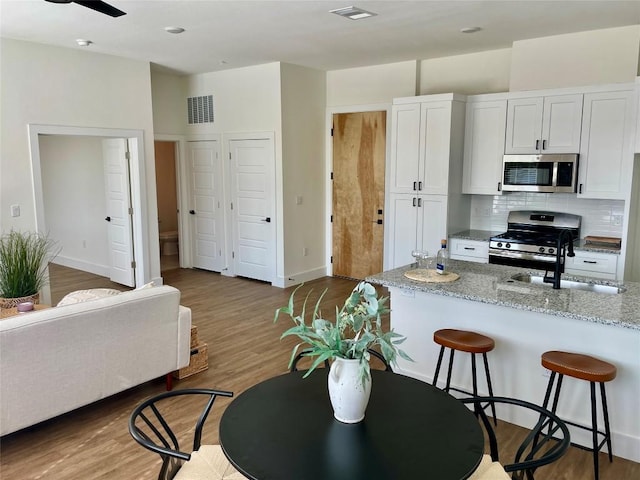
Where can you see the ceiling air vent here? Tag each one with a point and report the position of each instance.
(200, 109)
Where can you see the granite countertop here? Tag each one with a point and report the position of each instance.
(485, 235)
(493, 284)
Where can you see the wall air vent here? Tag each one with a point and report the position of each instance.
(200, 109)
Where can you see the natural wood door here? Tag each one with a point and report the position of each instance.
(359, 146)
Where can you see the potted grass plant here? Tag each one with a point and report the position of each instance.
(346, 340)
(24, 257)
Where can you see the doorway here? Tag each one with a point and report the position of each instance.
(167, 198)
(135, 140)
(359, 152)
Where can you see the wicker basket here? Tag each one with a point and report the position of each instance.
(198, 362)
(12, 302)
(194, 337)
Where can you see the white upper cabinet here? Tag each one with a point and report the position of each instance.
(549, 124)
(405, 148)
(484, 147)
(420, 148)
(606, 150)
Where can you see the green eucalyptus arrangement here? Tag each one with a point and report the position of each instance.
(24, 257)
(357, 327)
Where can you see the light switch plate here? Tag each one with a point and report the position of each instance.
(15, 210)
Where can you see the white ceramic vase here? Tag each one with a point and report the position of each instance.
(349, 397)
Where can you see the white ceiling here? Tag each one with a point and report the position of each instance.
(302, 32)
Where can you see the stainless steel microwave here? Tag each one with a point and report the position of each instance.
(540, 173)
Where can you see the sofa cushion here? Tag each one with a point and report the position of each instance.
(80, 296)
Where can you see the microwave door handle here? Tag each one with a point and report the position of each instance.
(554, 177)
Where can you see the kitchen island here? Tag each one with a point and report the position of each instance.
(526, 320)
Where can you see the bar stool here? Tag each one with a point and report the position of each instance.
(472, 343)
(582, 367)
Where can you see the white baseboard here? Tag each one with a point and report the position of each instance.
(299, 277)
(102, 270)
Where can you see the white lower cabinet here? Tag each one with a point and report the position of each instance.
(415, 222)
(469, 250)
(592, 264)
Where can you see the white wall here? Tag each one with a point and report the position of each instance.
(69, 87)
(584, 58)
(169, 93)
(303, 171)
(371, 85)
(483, 72)
(73, 185)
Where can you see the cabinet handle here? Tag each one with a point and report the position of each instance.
(414, 201)
(593, 262)
(419, 202)
(469, 248)
(544, 144)
(419, 185)
(537, 144)
(415, 187)
(499, 186)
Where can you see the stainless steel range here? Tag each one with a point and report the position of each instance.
(535, 239)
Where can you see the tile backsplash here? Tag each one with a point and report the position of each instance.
(599, 217)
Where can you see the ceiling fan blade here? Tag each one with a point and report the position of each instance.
(100, 6)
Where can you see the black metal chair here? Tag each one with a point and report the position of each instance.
(372, 353)
(543, 444)
(149, 426)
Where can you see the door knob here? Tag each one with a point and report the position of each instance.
(192, 212)
(108, 219)
(268, 220)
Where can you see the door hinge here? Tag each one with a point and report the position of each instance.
(332, 131)
(130, 210)
(229, 155)
(127, 155)
(331, 220)
(231, 205)
(331, 175)
(233, 254)
(331, 258)
(133, 264)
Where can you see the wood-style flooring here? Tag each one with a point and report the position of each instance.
(235, 318)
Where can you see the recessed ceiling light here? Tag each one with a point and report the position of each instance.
(470, 29)
(174, 29)
(83, 43)
(353, 13)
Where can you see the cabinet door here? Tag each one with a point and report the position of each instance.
(561, 124)
(435, 147)
(405, 148)
(606, 147)
(592, 264)
(524, 125)
(402, 229)
(432, 212)
(484, 147)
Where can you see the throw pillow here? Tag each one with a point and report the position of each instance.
(80, 296)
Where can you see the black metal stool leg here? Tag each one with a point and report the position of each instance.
(547, 395)
(435, 378)
(474, 375)
(452, 351)
(556, 397)
(605, 413)
(486, 371)
(594, 423)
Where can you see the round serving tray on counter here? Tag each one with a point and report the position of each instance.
(431, 276)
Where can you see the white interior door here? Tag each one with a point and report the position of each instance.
(252, 163)
(120, 232)
(206, 205)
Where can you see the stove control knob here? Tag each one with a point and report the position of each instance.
(508, 245)
(551, 250)
(541, 249)
(499, 244)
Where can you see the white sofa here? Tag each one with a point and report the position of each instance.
(55, 360)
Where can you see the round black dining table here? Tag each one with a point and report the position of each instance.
(283, 429)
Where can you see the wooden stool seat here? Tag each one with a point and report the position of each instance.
(579, 366)
(463, 340)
